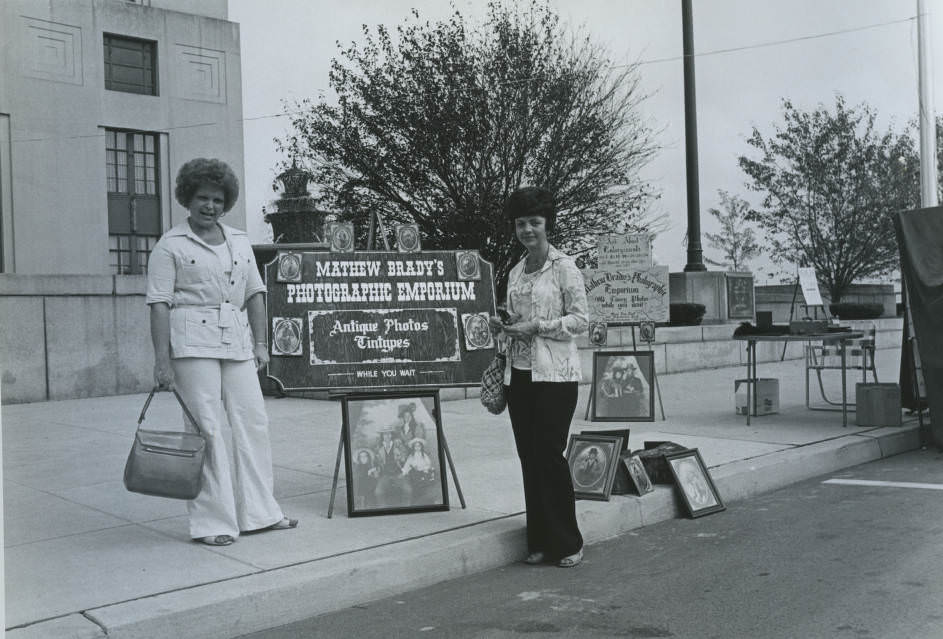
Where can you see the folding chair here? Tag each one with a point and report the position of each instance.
(859, 355)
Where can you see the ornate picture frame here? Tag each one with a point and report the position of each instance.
(694, 483)
(593, 460)
(623, 386)
(394, 454)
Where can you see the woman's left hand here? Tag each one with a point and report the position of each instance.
(521, 329)
(260, 353)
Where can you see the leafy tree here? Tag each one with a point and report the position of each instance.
(830, 183)
(736, 241)
(439, 124)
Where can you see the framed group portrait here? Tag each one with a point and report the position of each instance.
(694, 483)
(393, 453)
(593, 460)
(622, 386)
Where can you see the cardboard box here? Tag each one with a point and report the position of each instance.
(877, 404)
(767, 396)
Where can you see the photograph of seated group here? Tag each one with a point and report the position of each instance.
(393, 454)
(623, 386)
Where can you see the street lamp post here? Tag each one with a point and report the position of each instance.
(695, 252)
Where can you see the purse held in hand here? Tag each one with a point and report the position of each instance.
(166, 463)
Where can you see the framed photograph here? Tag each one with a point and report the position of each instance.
(694, 482)
(646, 332)
(342, 237)
(598, 333)
(393, 453)
(593, 460)
(740, 301)
(622, 386)
(467, 266)
(614, 432)
(407, 238)
(286, 335)
(289, 267)
(637, 475)
(477, 331)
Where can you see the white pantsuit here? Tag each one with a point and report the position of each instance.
(236, 496)
(211, 348)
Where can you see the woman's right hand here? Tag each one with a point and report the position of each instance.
(495, 324)
(164, 375)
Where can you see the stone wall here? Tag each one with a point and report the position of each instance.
(778, 297)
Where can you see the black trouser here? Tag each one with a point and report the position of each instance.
(540, 416)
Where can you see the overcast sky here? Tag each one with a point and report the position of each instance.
(750, 54)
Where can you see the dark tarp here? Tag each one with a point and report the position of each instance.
(920, 238)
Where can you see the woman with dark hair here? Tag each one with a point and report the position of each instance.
(546, 300)
(208, 329)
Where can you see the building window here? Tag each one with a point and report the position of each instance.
(132, 177)
(130, 65)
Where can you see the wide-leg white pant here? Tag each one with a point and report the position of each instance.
(235, 497)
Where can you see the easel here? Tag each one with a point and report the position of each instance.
(340, 451)
(815, 303)
(592, 386)
(376, 223)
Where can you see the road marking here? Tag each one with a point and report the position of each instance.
(889, 484)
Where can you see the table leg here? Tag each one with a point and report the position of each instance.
(844, 399)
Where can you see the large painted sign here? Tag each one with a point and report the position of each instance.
(376, 319)
(628, 295)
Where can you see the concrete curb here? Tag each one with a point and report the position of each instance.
(271, 598)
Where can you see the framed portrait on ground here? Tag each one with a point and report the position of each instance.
(593, 460)
(637, 474)
(622, 386)
(393, 453)
(694, 483)
(614, 432)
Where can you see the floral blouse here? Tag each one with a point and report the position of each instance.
(558, 305)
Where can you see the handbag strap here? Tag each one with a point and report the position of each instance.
(186, 411)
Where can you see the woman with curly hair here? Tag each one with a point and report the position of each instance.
(208, 327)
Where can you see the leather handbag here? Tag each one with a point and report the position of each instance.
(166, 463)
(492, 385)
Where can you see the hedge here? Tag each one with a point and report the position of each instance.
(851, 311)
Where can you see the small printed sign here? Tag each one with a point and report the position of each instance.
(618, 252)
(809, 284)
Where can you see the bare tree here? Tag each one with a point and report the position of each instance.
(736, 241)
(830, 183)
(439, 124)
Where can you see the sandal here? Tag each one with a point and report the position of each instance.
(218, 540)
(284, 524)
(535, 558)
(571, 560)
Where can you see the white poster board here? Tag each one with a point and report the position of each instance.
(620, 252)
(628, 295)
(810, 287)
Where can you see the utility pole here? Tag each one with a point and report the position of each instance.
(928, 176)
(695, 252)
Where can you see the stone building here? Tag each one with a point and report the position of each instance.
(101, 101)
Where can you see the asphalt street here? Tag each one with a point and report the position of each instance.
(855, 554)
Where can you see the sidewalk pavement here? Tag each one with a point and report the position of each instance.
(84, 558)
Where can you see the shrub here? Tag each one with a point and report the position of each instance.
(685, 314)
(850, 310)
